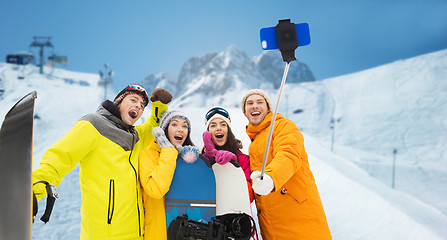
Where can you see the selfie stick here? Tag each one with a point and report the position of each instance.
(272, 124)
(287, 43)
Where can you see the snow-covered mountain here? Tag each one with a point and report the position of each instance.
(205, 79)
(400, 106)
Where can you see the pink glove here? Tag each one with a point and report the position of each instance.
(210, 150)
(223, 156)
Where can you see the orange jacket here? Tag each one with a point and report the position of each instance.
(293, 210)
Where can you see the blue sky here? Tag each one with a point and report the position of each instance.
(141, 37)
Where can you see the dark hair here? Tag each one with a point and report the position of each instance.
(187, 142)
(232, 144)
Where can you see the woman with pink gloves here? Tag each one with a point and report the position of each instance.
(220, 144)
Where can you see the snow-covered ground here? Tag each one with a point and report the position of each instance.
(396, 106)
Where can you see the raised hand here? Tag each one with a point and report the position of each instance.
(162, 95)
(210, 150)
(160, 137)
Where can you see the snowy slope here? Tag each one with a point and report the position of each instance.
(357, 204)
(62, 98)
(401, 105)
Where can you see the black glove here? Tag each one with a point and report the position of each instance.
(35, 206)
(162, 95)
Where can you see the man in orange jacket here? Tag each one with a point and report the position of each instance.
(287, 198)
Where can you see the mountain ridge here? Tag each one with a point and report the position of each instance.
(214, 74)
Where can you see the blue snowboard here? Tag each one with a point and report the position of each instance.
(192, 192)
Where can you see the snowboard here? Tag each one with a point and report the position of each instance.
(231, 189)
(206, 200)
(192, 191)
(232, 197)
(16, 137)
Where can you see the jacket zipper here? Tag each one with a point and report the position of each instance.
(111, 201)
(136, 176)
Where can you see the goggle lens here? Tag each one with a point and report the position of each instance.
(137, 87)
(215, 110)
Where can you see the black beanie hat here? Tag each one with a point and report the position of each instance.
(132, 89)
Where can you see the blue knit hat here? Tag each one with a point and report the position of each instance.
(167, 117)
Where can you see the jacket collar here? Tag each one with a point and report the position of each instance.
(109, 110)
(253, 130)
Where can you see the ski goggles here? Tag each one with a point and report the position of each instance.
(137, 88)
(216, 110)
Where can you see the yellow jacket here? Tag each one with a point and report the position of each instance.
(157, 168)
(293, 210)
(107, 151)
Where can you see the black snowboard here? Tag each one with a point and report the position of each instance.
(16, 146)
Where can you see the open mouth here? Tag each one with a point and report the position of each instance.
(254, 114)
(219, 136)
(179, 138)
(133, 114)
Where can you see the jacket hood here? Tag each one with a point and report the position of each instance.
(109, 110)
(112, 127)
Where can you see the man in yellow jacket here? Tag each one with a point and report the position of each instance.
(106, 145)
(287, 198)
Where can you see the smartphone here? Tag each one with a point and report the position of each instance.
(268, 36)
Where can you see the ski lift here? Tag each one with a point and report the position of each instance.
(56, 59)
(21, 58)
(41, 42)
